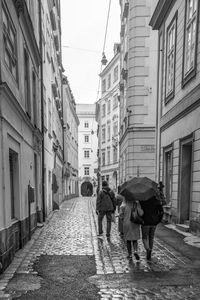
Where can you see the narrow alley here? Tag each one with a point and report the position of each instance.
(72, 231)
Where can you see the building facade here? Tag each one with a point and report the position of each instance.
(178, 107)
(21, 203)
(87, 153)
(52, 104)
(137, 90)
(71, 123)
(107, 116)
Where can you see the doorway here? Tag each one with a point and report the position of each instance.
(185, 179)
(86, 189)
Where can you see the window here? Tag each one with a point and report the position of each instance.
(45, 107)
(103, 110)
(108, 106)
(49, 116)
(86, 153)
(9, 38)
(14, 175)
(108, 156)
(115, 128)
(115, 154)
(103, 158)
(27, 84)
(103, 85)
(170, 64)
(86, 171)
(115, 101)
(34, 99)
(86, 124)
(190, 37)
(108, 131)
(103, 135)
(109, 81)
(115, 74)
(86, 138)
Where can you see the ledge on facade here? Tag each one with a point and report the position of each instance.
(160, 13)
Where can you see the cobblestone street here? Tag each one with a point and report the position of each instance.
(72, 230)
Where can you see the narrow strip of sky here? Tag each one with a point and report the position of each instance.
(83, 31)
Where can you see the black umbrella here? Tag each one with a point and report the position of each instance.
(139, 188)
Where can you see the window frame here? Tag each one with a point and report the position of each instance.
(86, 171)
(187, 75)
(86, 123)
(12, 55)
(115, 73)
(85, 138)
(169, 94)
(86, 153)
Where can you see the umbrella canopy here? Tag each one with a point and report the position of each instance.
(139, 188)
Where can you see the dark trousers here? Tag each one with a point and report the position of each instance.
(148, 232)
(108, 218)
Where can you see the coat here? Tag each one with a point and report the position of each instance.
(131, 230)
(153, 211)
(106, 200)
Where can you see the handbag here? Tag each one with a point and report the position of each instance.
(135, 217)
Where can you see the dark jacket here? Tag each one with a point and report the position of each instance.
(106, 200)
(153, 211)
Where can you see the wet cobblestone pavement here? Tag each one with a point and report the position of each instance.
(72, 230)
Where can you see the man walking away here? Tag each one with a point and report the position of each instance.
(105, 205)
(153, 213)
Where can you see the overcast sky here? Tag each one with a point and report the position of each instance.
(83, 29)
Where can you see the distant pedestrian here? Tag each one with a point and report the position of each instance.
(105, 205)
(119, 199)
(153, 213)
(161, 193)
(131, 230)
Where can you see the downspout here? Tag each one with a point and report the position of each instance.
(42, 108)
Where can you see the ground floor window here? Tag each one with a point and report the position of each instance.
(13, 169)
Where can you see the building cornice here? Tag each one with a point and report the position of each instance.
(160, 12)
(136, 129)
(190, 102)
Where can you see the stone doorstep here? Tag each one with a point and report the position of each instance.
(189, 238)
(183, 227)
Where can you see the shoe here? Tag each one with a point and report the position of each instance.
(107, 235)
(136, 256)
(148, 254)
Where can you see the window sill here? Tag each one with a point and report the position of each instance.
(189, 76)
(169, 97)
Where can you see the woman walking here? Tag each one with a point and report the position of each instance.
(131, 230)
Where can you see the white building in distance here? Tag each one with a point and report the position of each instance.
(88, 144)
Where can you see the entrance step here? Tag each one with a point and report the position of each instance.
(183, 227)
(187, 222)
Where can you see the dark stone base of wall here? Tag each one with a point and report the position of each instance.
(14, 238)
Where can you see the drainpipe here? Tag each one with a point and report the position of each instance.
(42, 108)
